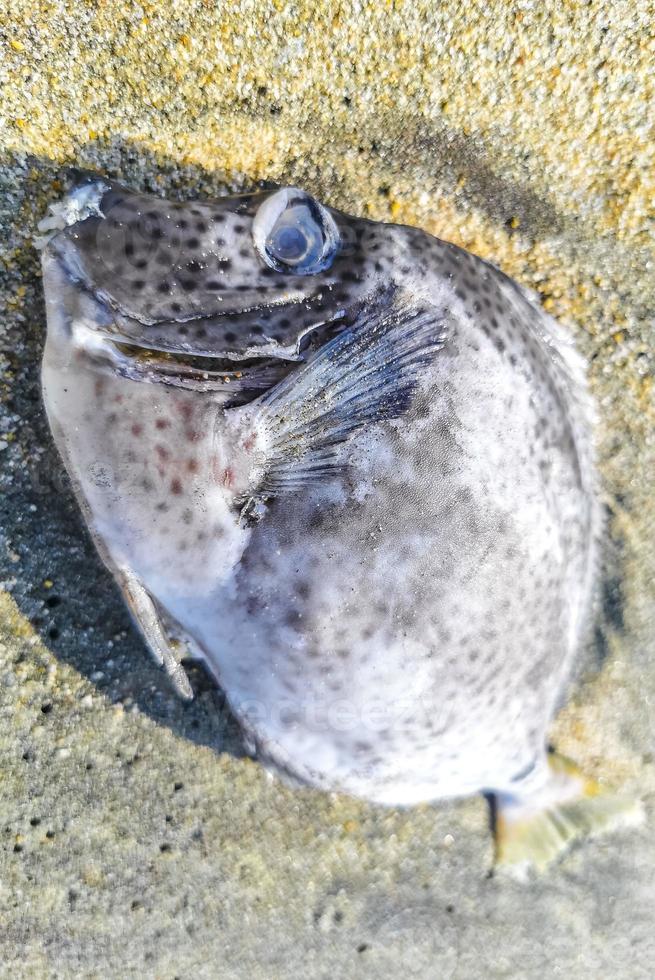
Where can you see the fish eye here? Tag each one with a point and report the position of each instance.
(293, 233)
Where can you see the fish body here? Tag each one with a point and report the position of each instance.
(348, 463)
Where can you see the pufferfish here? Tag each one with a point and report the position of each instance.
(350, 466)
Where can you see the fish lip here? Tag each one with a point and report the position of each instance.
(108, 352)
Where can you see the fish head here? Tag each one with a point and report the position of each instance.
(160, 315)
(223, 295)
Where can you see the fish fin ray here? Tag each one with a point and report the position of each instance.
(148, 619)
(364, 375)
(529, 838)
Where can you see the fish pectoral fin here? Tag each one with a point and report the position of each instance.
(147, 617)
(533, 830)
(365, 374)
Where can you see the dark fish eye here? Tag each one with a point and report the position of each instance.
(288, 244)
(294, 233)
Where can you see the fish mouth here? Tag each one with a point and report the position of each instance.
(198, 336)
(115, 345)
(236, 381)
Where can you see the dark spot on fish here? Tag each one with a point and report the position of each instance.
(137, 429)
(292, 617)
(194, 267)
(192, 242)
(162, 423)
(213, 284)
(176, 486)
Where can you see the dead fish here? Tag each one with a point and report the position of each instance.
(351, 466)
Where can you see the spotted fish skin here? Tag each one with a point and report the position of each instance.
(374, 515)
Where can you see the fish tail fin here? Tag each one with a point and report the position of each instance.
(533, 831)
